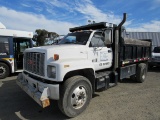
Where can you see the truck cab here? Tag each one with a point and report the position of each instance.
(13, 43)
(94, 46)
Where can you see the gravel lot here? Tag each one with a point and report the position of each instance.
(127, 101)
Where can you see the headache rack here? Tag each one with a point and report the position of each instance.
(93, 26)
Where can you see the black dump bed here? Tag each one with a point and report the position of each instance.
(133, 50)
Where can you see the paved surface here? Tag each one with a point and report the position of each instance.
(127, 101)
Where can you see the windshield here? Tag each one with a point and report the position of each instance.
(156, 50)
(76, 38)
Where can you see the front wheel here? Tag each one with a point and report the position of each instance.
(75, 96)
(4, 70)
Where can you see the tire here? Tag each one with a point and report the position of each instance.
(141, 72)
(75, 96)
(4, 70)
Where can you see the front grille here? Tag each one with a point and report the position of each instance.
(34, 62)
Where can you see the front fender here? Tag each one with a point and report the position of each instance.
(65, 66)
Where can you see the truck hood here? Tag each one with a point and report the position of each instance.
(64, 51)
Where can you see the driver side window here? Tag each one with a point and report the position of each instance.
(97, 40)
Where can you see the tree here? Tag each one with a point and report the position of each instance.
(43, 37)
(51, 37)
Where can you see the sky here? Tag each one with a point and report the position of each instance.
(60, 15)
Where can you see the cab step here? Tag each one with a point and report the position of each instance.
(105, 80)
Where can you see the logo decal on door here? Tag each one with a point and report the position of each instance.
(103, 56)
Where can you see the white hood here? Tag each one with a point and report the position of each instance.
(64, 51)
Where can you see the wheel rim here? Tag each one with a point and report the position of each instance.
(78, 98)
(2, 70)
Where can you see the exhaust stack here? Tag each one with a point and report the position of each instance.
(117, 34)
(123, 21)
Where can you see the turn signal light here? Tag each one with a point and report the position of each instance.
(45, 103)
(56, 57)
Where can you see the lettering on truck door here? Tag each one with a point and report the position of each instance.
(99, 54)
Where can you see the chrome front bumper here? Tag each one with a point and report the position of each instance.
(40, 92)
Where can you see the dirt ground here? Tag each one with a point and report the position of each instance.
(127, 101)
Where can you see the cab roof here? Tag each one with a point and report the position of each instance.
(94, 26)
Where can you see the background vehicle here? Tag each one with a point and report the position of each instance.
(12, 45)
(155, 60)
(90, 58)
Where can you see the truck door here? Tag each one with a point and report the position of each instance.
(99, 54)
(20, 44)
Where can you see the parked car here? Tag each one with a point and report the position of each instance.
(155, 60)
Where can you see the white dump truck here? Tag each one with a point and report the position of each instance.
(88, 59)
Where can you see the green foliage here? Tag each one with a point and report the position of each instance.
(43, 37)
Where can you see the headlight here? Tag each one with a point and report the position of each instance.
(51, 71)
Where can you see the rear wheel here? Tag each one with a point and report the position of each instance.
(75, 96)
(141, 72)
(4, 70)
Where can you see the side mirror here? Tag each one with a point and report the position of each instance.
(108, 37)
